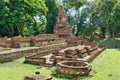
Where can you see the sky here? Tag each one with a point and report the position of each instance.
(90, 0)
(60, 1)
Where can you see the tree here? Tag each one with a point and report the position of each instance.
(3, 31)
(80, 20)
(51, 15)
(84, 22)
(114, 22)
(73, 3)
(34, 9)
(100, 16)
(15, 15)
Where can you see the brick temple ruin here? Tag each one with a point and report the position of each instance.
(63, 29)
(62, 48)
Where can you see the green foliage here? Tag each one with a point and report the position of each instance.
(101, 15)
(85, 26)
(80, 20)
(115, 17)
(15, 15)
(3, 32)
(51, 15)
(73, 3)
(30, 17)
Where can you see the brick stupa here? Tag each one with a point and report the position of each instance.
(63, 29)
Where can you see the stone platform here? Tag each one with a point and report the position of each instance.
(10, 55)
(78, 53)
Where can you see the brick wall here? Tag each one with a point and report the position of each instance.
(38, 40)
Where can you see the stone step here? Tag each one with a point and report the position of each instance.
(86, 58)
(49, 63)
(52, 60)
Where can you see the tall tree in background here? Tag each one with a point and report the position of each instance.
(84, 24)
(51, 15)
(98, 14)
(114, 19)
(101, 13)
(81, 22)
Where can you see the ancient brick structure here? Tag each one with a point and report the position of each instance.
(6, 56)
(39, 57)
(39, 40)
(5, 42)
(63, 29)
(21, 42)
(74, 67)
(84, 54)
(44, 39)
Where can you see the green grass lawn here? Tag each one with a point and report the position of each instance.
(107, 66)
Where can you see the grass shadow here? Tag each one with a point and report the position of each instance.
(110, 43)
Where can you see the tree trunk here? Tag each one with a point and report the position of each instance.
(18, 30)
(12, 31)
(8, 31)
(103, 32)
(113, 35)
(91, 35)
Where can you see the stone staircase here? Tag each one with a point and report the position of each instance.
(49, 62)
